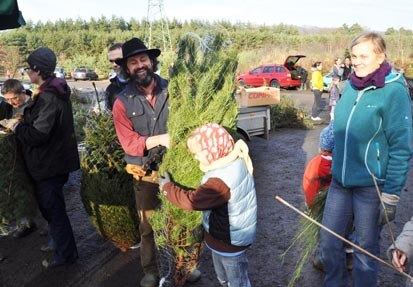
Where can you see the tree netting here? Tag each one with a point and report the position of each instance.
(17, 198)
(106, 189)
(201, 89)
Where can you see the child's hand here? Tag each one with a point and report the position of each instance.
(163, 180)
(399, 260)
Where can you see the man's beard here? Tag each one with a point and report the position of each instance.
(143, 81)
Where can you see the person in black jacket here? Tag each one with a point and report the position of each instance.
(118, 82)
(49, 146)
(16, 98)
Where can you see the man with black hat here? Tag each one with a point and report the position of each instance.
(140, 114)
(49, 146)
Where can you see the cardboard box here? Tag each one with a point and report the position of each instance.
(261, 96)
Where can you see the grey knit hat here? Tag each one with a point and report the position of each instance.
(42, 59)
(327, 138)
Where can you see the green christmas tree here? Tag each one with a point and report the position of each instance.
(106, 189)
(201, 89)
(16, 187)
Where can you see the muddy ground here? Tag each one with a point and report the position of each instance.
(278, 167)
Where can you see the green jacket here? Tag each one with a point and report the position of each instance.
(373, 136)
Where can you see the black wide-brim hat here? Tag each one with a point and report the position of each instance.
(133, 47)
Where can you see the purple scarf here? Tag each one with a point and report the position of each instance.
(374, 79)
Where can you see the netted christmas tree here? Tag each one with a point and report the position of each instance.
(17, 198)
(201, 89)
(106, 189)
(308, 235)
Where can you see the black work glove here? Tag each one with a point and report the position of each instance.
(391, 213)
(163, 180)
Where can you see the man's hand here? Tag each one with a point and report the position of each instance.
(163, 180)
(388, 209)
(164, 140)
(10, 124)
(399, 260)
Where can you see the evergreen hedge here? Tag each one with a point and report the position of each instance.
(17, 198)
(106, 189)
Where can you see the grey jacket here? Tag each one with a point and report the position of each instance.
(404, 242)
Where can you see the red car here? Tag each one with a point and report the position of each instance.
(273, 75)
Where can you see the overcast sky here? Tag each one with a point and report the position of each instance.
(377, 15)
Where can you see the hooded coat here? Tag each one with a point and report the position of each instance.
(47, 132)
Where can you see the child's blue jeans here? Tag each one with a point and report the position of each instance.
(232, 271)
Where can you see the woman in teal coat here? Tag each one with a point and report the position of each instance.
(373, 135)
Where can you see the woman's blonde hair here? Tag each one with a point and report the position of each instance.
(376, 39)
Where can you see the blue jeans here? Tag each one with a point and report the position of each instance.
(232, 271)
(341, 205)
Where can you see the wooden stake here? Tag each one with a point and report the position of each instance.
(342, 238)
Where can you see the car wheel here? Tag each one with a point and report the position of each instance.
(274, 84)
(241, 83)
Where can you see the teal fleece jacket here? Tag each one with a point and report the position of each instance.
(373, 136)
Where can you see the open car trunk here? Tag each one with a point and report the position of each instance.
(290, 64)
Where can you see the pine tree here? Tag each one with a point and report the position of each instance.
(16, 187)
(106, 189)
(201, 89)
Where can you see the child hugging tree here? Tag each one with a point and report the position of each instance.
(226, 198)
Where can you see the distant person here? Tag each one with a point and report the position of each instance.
(334, 95)
(317, 174)
(15, 101)
(49, 146)
(317, 87)
(337, 69)
(118, 82)
(347, 69)
(303, 74)
(373, 136)
(226, 197)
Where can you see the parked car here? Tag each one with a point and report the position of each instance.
(273, 75)
(59, 72)
(83, 73)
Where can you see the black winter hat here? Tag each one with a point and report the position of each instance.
(133, 47)
(42, 59)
